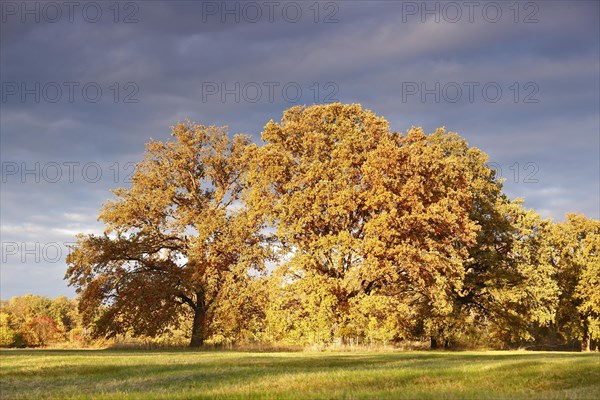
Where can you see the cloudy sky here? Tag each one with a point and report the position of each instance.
(86, 84)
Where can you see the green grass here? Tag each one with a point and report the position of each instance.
(136, 374)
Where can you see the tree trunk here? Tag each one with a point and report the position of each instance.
(586, 340)
(433, 343)
(199, 324)
(198, 329)
(446, 344)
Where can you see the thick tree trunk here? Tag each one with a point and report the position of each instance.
(446, 344)
(197, 339)
(199, 324)
(586, 339)
(433, 343)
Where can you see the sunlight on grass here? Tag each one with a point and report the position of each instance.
(130, 374)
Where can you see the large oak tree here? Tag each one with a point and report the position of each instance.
(178, 240)
(370, 211)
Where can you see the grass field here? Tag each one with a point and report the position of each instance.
(137, 374)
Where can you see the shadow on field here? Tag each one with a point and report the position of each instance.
(56, 373)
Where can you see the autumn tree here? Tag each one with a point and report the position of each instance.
(515, 290)
(576, 255)
(178, 240)
(64, 312)
(508, 281)
(8, 335)
(371, 211)
(40, 331)
(36, 320)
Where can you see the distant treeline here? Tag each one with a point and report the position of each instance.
(33, 321)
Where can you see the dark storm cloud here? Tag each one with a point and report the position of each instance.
(166, 63)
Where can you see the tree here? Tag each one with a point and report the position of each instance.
(509, 284)
(40, 331)
(64, 312)
(576, 243)
(374, 212)
(174, 240)
(36, 320)
(522, 283)
(588, 287)
(8, 336)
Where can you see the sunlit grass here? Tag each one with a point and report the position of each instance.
(135, 374)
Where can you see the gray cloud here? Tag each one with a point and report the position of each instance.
(375, 52)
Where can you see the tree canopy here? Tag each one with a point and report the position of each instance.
(334, 229)
(174, 239)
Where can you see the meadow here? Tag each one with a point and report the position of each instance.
(187, 374)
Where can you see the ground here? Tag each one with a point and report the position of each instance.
(186, 374)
